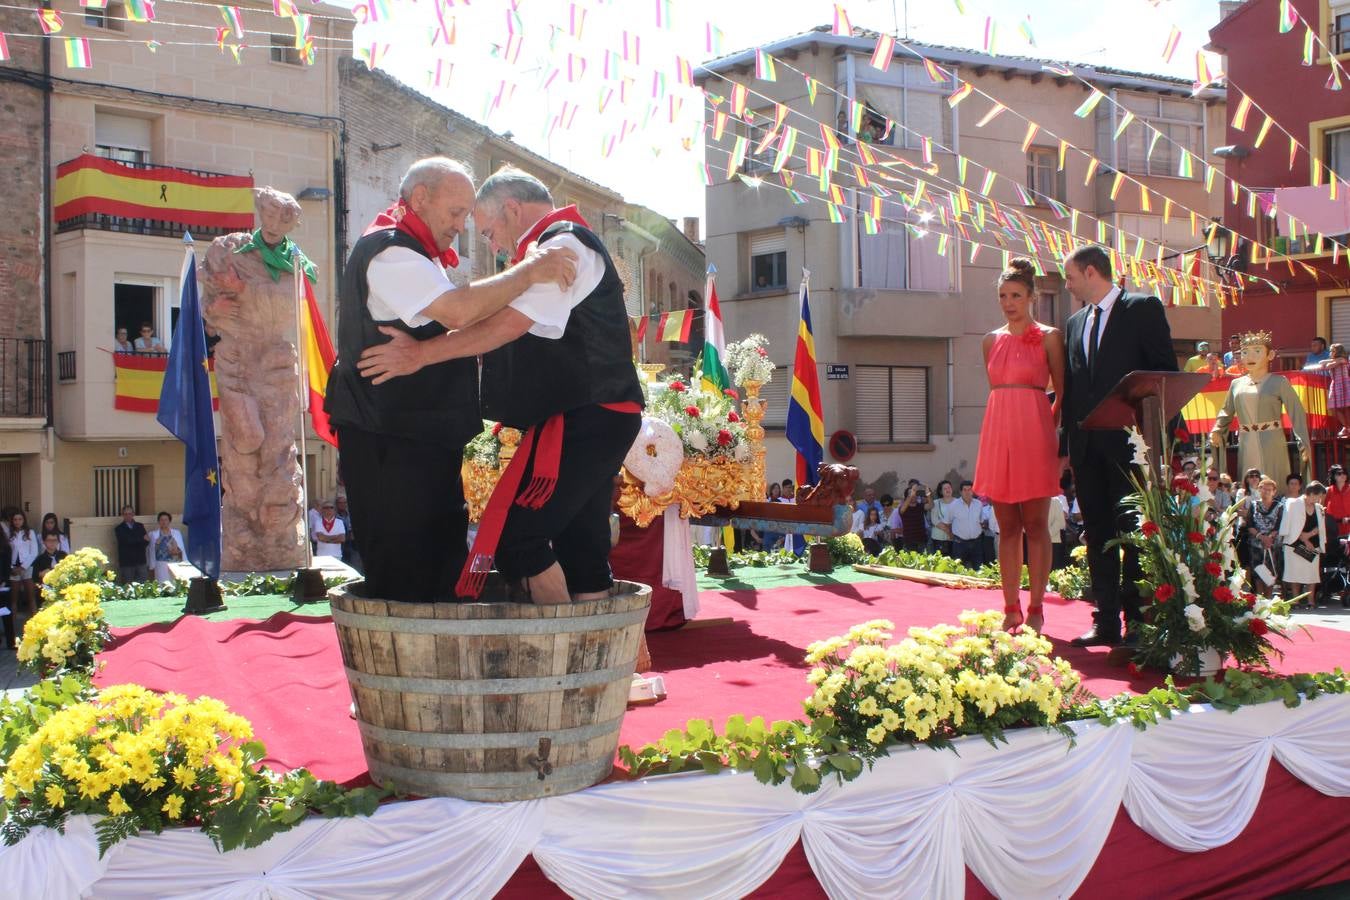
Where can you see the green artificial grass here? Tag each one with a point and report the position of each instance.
(132, 613)
(752, 578)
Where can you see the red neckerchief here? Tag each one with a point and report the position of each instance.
(401, 217)
(327, 523)
(566, 214)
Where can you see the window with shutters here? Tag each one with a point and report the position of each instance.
(1044, 176)
(1340, 320)
(113, 17)
(1180, 121)
(122, 137)
(891, 404)
(775, 397)
(116, 487)
(768, 260)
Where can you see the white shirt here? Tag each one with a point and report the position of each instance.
(964, 518)
(859, 518)
(338, 530)
(402, 283)
(1070, 509)
(1055, 520)
(1107, 304)
(315, 517)
(549, 306)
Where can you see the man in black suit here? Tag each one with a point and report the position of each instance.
(1112, 335)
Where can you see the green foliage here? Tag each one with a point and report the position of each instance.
(847, 550)
(1071, 582)
(1232, 690)
(251, 585)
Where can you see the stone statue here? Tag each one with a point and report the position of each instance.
(1258, 400)
(248, 300)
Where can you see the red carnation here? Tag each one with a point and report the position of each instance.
(731, 392)
(1150, 529)
(1193, 488)
(1249, 598)
(1195, 537)
(724, 437)
(1181, 483)
(1133, 670)
(732, 417)
(1213, 569)
(1223, 594)
(1258, 627)
(496, 428)
(678, 387)
(1217, 557)
(1164, 592)
(691, 411)
(1181, 434)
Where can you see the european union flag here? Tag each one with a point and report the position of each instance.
(185, 410)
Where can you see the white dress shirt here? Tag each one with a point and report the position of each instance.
(1108, 302)
(549, 306)
(965, 518)
(402, 283)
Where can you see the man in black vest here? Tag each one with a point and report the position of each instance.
(557, 362)
(1112, 335)
(402, 443)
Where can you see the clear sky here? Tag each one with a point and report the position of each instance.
(633, 146)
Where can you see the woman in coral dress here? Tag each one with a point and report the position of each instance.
(1018, 466)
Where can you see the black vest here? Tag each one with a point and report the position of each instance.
(533, 378)
(438, 404)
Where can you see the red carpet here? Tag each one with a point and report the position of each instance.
(285, 674)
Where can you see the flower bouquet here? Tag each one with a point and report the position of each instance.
(68, 631)
(1193, 587)
(938, 683)
(695, 448)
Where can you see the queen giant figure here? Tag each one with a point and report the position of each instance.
(1258, 400)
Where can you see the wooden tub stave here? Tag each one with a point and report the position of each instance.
(478, 700)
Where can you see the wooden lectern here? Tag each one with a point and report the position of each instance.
(1148, 400)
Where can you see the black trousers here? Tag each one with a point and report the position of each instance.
(407, 505)
(1102, 484)
(572, 528)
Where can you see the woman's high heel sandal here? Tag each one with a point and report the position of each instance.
(1035, 617)
(1012, 616)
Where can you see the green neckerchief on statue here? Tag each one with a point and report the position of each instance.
(278, 259)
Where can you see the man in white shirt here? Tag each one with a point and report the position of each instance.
(402, 443)
(331, 533)
(964, 515)
(557, 363)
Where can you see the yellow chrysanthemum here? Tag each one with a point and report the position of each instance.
(173, 806)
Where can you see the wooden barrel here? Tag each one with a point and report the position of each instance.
(490, 701)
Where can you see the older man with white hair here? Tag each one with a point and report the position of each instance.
(557, 362)
(402, 442)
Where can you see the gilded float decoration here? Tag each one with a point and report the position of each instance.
(695, 449)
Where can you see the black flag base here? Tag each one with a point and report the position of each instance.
(309, 586)
(203, 597)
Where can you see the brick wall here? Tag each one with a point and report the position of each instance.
(21, 269)
(388, 128)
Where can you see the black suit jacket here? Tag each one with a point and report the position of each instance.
(1136, 336)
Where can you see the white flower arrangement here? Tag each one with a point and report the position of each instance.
(1195, 617)
(706, 423)
(748, 360)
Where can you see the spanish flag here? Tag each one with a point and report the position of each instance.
(805, 418)
(1311, 388)
(91, 184)
(138, 379)
(319, 357)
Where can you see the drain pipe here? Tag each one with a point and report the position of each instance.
(47, 379)
(951, 388)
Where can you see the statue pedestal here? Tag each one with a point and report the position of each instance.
(203, 597)
(717, 562)
(820, 558)
(308, 586)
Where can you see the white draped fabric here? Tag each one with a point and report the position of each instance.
(677, 560)
(1028, 818)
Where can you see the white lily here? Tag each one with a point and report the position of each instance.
(1195, 617)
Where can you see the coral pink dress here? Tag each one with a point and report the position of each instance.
(1019, 450)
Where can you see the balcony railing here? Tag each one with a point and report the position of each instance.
(23, 378)
(141, 198)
